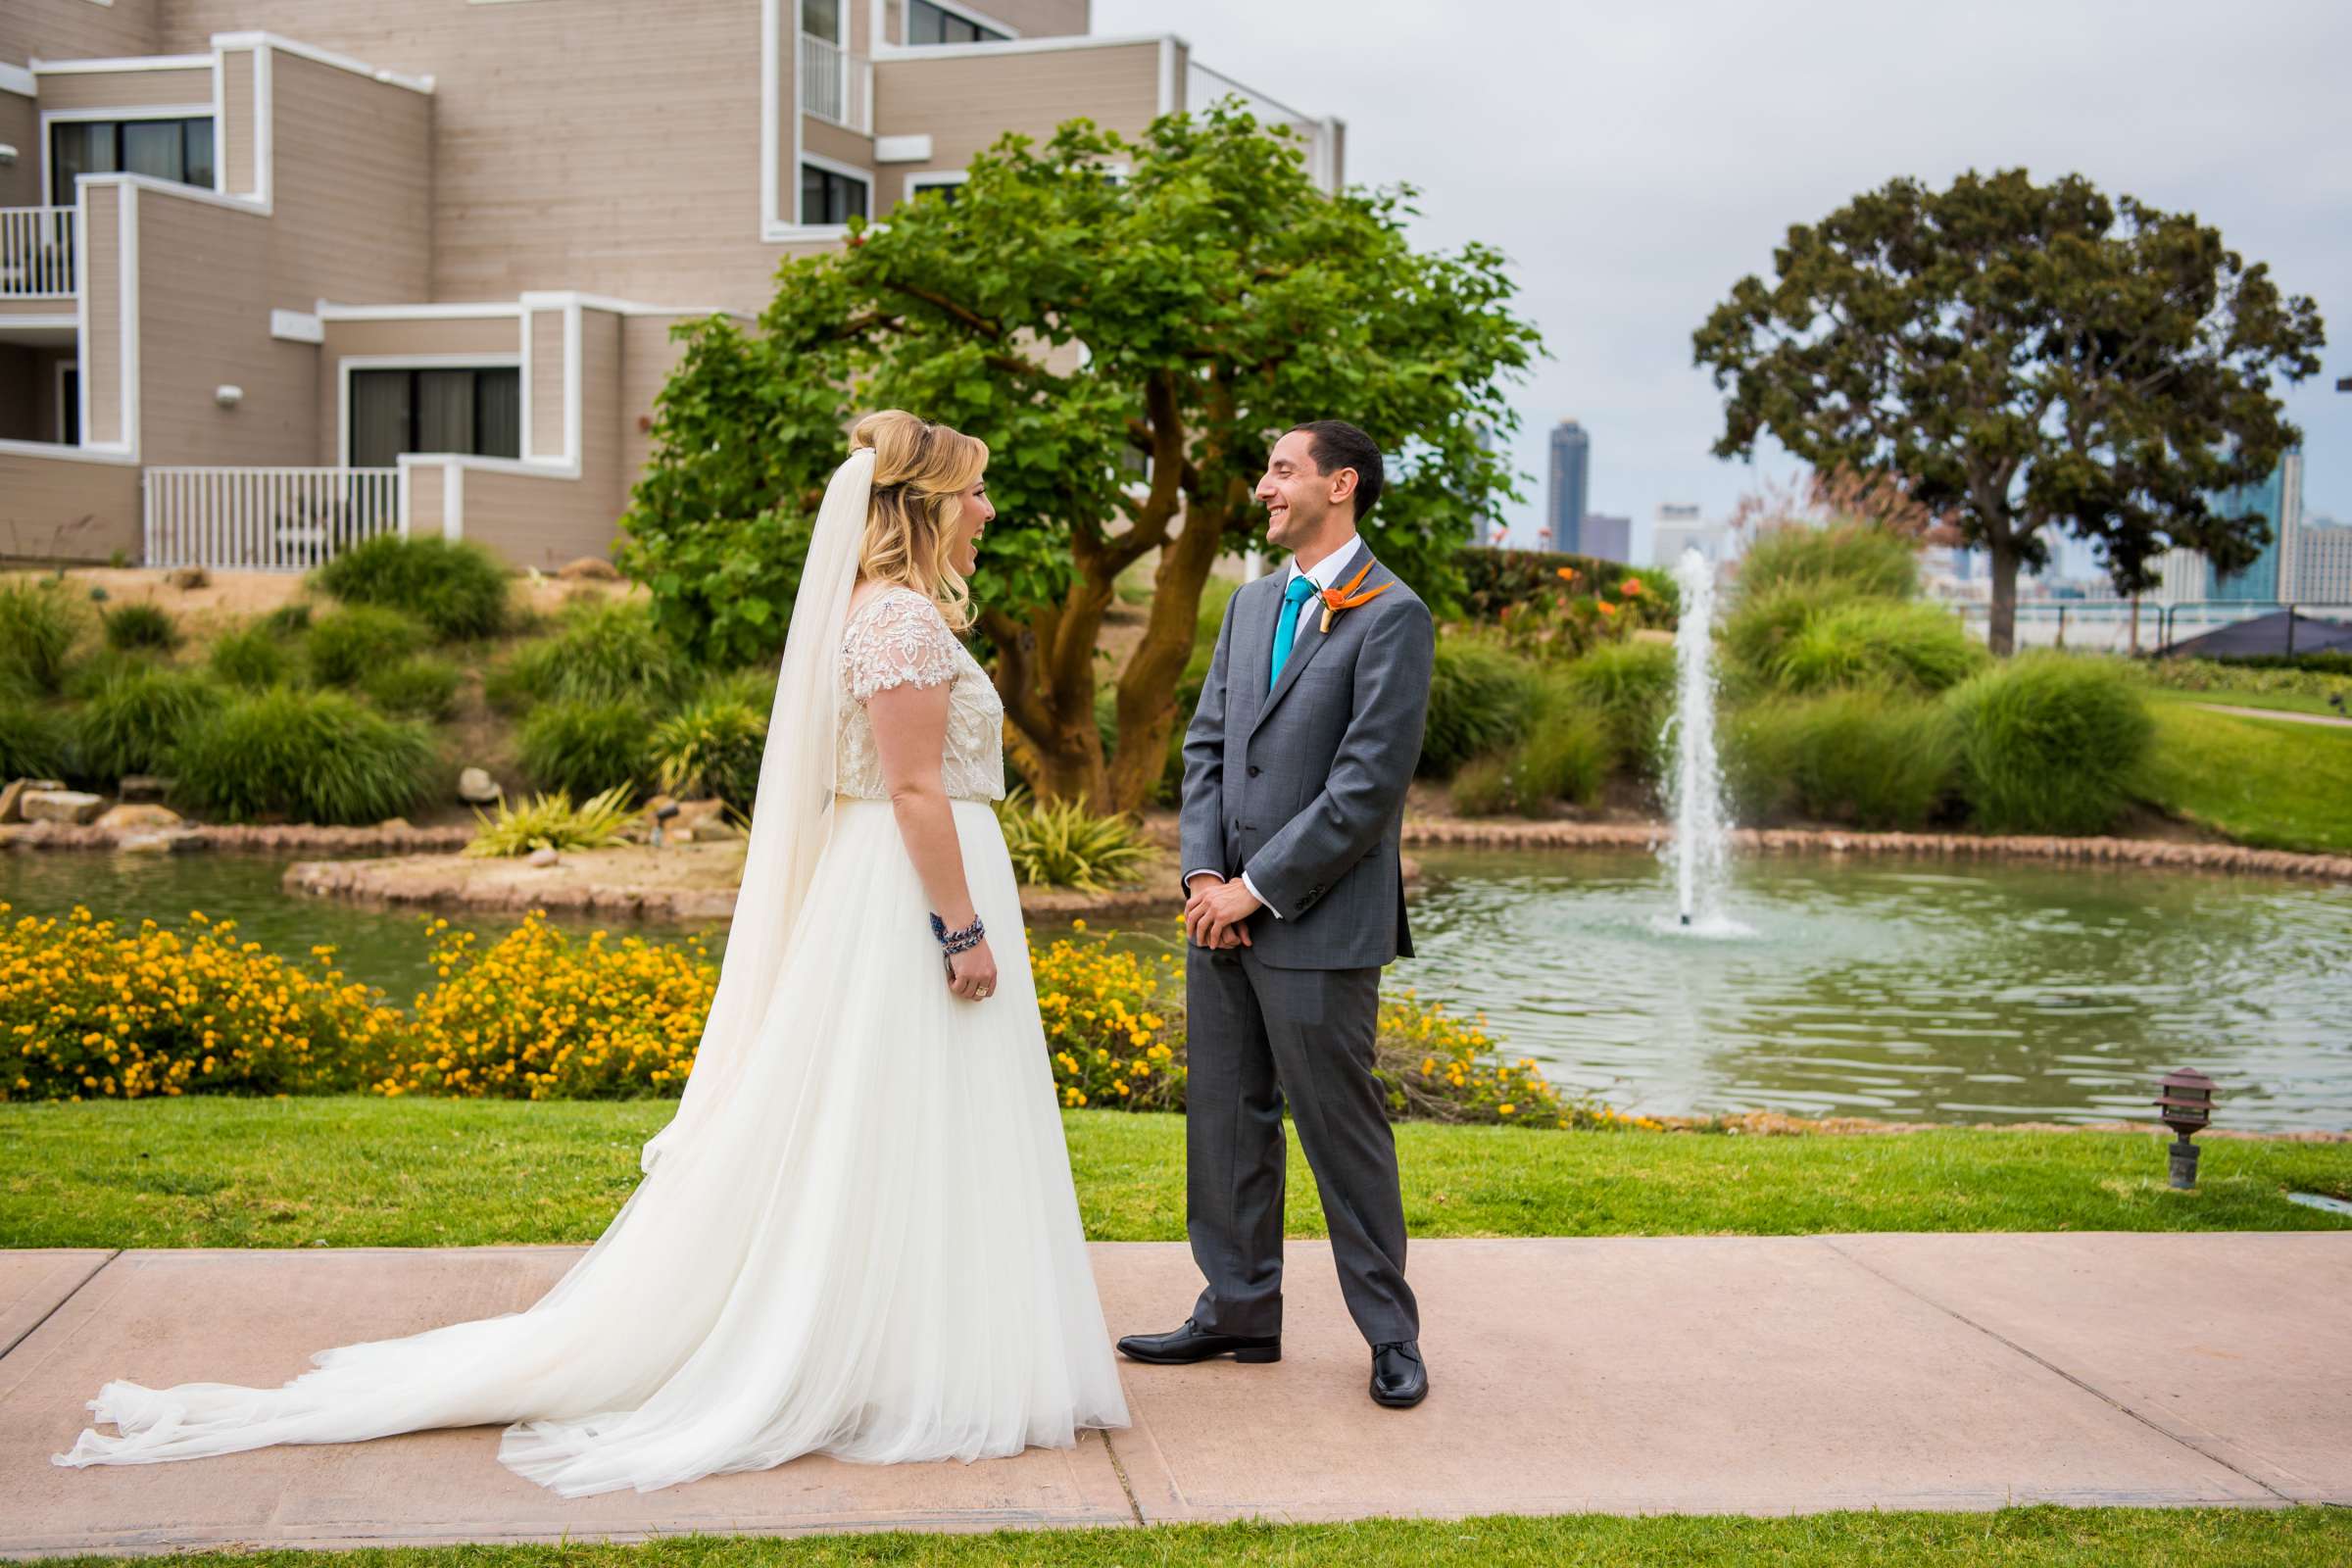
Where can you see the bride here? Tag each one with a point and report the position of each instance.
(858, 1235)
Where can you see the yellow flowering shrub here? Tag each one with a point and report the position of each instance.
(1111, 1024)
(541, 1014)
(1436, 1067)
(94, 1010)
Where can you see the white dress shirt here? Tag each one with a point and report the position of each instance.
(1324, 573)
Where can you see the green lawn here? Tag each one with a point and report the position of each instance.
(359, 1172)
(2272, 783)
(2044, 1537)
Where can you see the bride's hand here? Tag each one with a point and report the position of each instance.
(974, 976)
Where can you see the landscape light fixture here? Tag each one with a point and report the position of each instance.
(2186, 1104)
(661, 815)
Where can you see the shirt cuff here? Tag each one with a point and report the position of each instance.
(1200, 871)
(1259, 897)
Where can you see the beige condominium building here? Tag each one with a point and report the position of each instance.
(279, 274)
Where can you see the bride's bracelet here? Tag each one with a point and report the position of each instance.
(963, 941)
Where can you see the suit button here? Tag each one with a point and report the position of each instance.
(1254, 770)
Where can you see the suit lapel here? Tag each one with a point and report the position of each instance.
(1311, 638)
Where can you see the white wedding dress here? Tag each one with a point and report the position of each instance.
(856, 1236)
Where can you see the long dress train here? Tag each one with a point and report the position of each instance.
(870, 1246)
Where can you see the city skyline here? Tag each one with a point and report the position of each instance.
(1626, 225)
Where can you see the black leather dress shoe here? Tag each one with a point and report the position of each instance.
(1398, 1378)
(1192, 1342)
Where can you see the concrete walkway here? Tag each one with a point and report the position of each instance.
(2289, 715)
(1704, 1374)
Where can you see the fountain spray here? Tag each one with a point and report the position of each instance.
(1702, 827)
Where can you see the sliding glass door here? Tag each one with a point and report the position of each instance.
(476, 411)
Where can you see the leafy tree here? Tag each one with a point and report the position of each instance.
(2029, 359)
(1129, 347)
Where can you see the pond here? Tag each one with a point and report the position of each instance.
(1913, 990)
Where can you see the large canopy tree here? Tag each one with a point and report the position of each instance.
(1129, 324)
(2029, 358)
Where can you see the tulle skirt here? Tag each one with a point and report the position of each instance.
(872, 1251)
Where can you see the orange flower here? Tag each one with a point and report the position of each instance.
(1630, 587)
(1567, 574)
(1607, 607)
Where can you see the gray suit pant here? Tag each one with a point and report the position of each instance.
(1257, 1037)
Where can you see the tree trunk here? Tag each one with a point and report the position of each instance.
(1147, 687)
(2001, 631)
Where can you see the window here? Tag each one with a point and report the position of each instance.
(822, 19)
(69, 403)
(930, 23)
(473, 410)
(176, 150)
(945, 184)
(829, 196)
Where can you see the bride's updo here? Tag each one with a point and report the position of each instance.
(922, 472)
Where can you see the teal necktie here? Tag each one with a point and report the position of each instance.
(1301, 590)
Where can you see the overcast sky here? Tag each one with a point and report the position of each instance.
(1634, 161)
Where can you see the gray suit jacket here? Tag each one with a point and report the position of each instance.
(1303, 786)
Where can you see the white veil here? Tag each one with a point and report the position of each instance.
(792, 814)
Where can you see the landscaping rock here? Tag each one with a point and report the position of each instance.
(150, 842)
(594, 568)
(542, 856)
(128, 817)
(60, 805)
(12, 797)
(188, 577)
(143, 787)
(476, 787)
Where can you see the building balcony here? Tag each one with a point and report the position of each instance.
(36, 253)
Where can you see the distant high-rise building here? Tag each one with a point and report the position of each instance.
(2280, 499)
(1679, 527)
(1607, 538)
(2323, 565)
(1571, 475)
(2182, 577)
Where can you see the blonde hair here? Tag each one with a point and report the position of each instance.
(922, 472)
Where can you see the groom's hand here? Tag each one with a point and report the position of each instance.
(1213, 915)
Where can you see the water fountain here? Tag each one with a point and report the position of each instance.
(1700, 851)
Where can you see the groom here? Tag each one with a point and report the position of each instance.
(1295, 771)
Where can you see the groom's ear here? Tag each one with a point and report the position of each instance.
(1343, 483)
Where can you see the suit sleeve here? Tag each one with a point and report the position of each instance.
(1200, 825)
(1369, 773)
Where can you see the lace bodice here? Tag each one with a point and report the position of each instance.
(897, 637)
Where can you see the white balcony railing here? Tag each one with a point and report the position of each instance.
(836, 84)
(265, 520)
(36, 253)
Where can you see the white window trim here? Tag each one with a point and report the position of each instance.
(931, 179)
(205, 110)
(865, 177)
(421, 362)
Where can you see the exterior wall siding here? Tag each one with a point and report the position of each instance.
(56, 508)
(20, 128)
(546, 370)
(204, 323)
(352, 187)
(102, 368)
(75, 30)
(233, 142)
(126, 89)
(965, 103)
(647, 357)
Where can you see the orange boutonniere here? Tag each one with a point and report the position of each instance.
(1336, 600)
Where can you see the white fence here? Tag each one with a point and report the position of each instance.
(2111, 627)
(265, 520)
(36, 253)
(837, 85)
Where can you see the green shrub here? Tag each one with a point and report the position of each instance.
(711, 746)
(351, 644)
(2050, 743)
(1764, 622)
(1061, 843)
(1480, 700)
(602, 653)
(141, 625)
(35, 739)
(586, 746)
(1854, 559)
(1872, 759)
(454, 586)
(96, 670)
(39, 623)
(1878, 642)
(551, 821)
(290, 619)
(133, 722)
(1495, 579)
(1481, 786)
(1567, 756)
(252, 657)
(1216, 595)
(308, 755)
(1631, 685)
(420, 687)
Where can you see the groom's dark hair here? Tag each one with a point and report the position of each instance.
(1334, 444)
